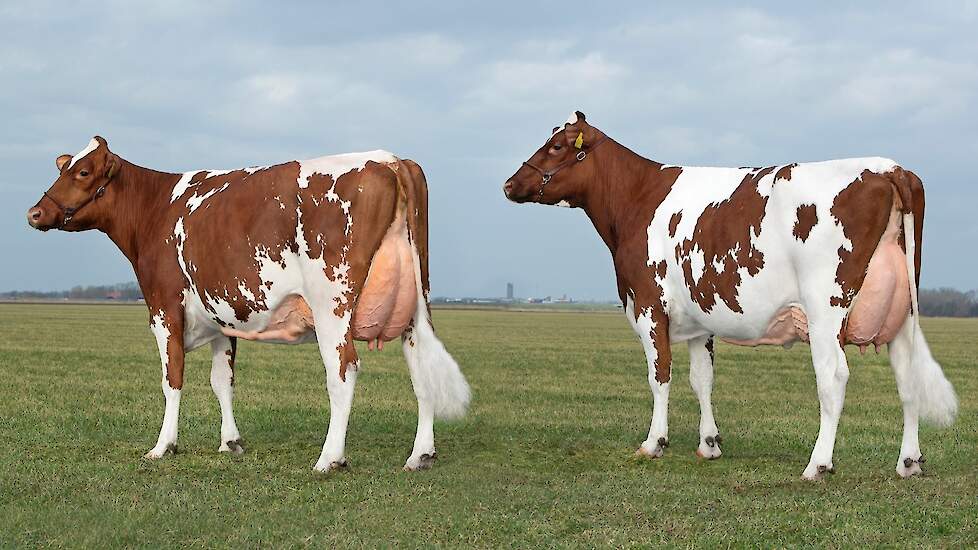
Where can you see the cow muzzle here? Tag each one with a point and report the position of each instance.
(515, 192)
(36, 219)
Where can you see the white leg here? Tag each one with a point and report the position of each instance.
(423, 455)
(901, 352)
(167, 442)
(222, 382)
(341, 363)
(701, 380)
(658, 439)
(831, 376)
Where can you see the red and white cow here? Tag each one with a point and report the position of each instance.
(812, 252)
(331, 250)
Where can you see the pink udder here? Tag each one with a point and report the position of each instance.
(883, 302)
(390, 296)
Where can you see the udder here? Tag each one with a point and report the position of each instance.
(384, 309)
(883, 302)
(390, 296)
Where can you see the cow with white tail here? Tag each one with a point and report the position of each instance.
(826, 253)
(331, 250)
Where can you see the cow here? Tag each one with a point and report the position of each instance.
(822, 252)
(330, 250)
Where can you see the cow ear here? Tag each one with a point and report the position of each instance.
(580, 116)
(113, 162)
(61, 161)
(555, 130)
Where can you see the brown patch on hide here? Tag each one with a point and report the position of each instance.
(725, 234)
(225, 269)
(232, 354)
(625, 232)
(862, 209)
(806, 220)
(348, 355)
(784, 173)
(674, 223)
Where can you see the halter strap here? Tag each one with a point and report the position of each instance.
(547, 175)
(67, 213)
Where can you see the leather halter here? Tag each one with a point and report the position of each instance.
(547, 175)
(67, 213)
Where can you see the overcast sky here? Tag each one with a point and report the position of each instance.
(470, 90)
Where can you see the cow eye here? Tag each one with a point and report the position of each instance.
(556, 147)
(83, 173)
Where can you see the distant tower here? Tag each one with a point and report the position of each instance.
(509, 291)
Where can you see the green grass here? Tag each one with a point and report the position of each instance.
(543, 459)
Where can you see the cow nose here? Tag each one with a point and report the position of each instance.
(34, 215)
(507, 187)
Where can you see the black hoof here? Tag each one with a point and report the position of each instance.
(823, 469)
(908, 462)
(710, 441)
(171, 449)
(718, 439)
(236, 447)
(663, 442)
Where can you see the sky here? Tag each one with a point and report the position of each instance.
(470, 90)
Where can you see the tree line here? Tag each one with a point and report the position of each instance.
(934, 302)
(121, 291)
(947, 302)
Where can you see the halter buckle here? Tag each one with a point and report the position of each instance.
(581, 155)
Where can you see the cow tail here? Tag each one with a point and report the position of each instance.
(435, 375)
(936, 400)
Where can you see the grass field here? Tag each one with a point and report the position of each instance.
(543, 459)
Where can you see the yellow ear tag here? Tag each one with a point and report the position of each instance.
(579, 142)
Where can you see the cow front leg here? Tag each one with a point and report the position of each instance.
(223, 352)
(831, 376)
(701, 380)
(652, 327)
(168, 329)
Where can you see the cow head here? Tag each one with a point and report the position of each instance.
(70, 202)
(556, 173)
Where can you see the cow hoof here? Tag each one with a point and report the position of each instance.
(160, 452)
(656, 450)
(817, 473)
(909, 467)
(709, 448)
(334, 466)
(422, 462)
(235, 447)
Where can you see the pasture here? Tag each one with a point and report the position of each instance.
(544, 458)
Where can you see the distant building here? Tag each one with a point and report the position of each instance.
(509, 291)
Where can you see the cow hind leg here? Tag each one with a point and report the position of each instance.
(901, 357)
(438, 382)
(423, 454)
(335, 340)
(831, 376)
(222, 382)
(701, 380)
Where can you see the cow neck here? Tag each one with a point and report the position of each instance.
(140, 202)
(623, 196)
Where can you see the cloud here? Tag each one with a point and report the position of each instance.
(525, 83)
(470, 94)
